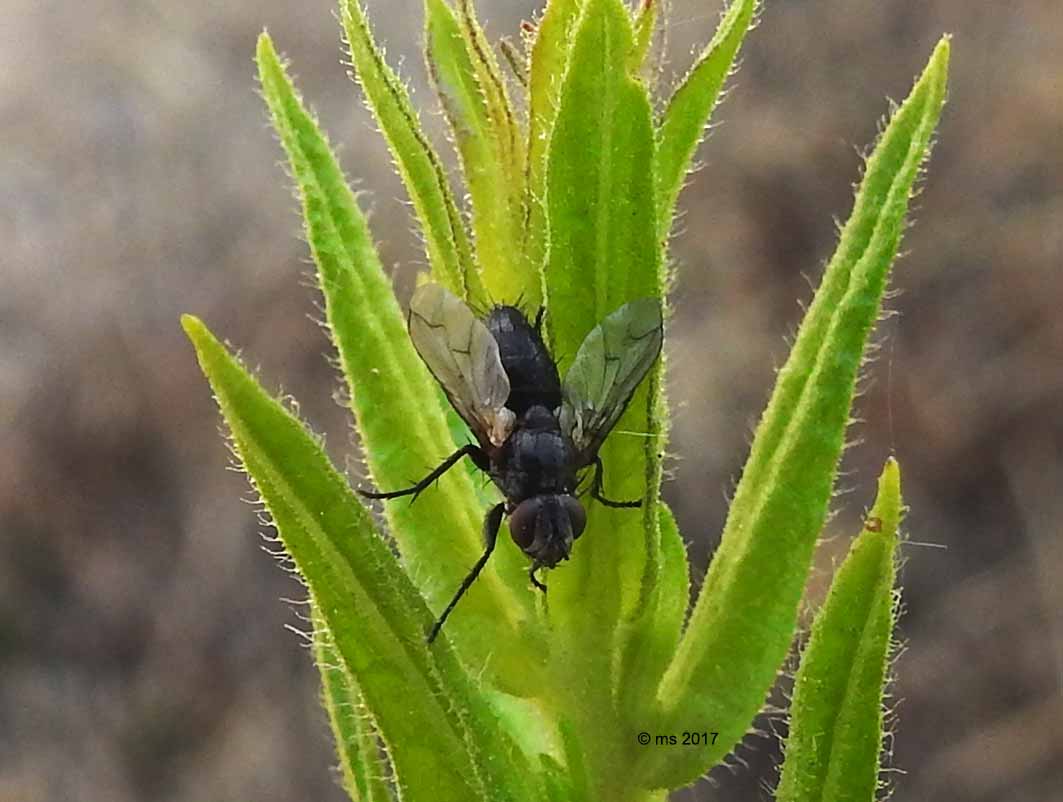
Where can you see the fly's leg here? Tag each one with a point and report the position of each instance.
(534, 579)
(596, 490)
(492, 522)
(470, 450)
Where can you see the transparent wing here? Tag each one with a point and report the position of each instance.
(610, 364)
(463, 357)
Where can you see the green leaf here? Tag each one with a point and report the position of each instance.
(441, 737)
(550, 51)
(741, 626)
(688, 111)
(603, 248)
(489, 76)
(446, 240)
(835, 739)
(396, 403)
(362, 765)
(603, 253)
(650, 638)
(488, 141)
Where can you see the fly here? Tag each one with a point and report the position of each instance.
(534, 433)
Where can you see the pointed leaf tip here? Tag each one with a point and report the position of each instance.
(937, 68)
(891, 474)
(194, 327)
(885, 515)
(264, 48)
(836, 727)
(942, 51)
(688, 112)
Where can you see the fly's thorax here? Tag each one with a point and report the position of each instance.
(536, 459)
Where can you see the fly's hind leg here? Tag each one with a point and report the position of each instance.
(470, 450)
(596, 490)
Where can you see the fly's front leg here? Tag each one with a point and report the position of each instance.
(492, 521)
(536, 566)
(469, 450)
(596, 490)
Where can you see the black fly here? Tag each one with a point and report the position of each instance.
(534, 432)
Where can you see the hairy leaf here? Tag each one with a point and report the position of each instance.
(741, 626)
(362, 765)
(550, 51)
(422, 172)
(650, 637)
(835, 736)
(690, 107)
(486, 134)
(442, 738)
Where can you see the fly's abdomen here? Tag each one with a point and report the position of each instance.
(533, 378)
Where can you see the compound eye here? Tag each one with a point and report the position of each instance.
(577, 516)
(522, 522)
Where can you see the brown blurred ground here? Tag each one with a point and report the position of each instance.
(143, 653)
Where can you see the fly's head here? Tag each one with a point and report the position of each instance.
(545, 527)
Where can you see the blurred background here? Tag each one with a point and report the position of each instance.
(143, 649)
